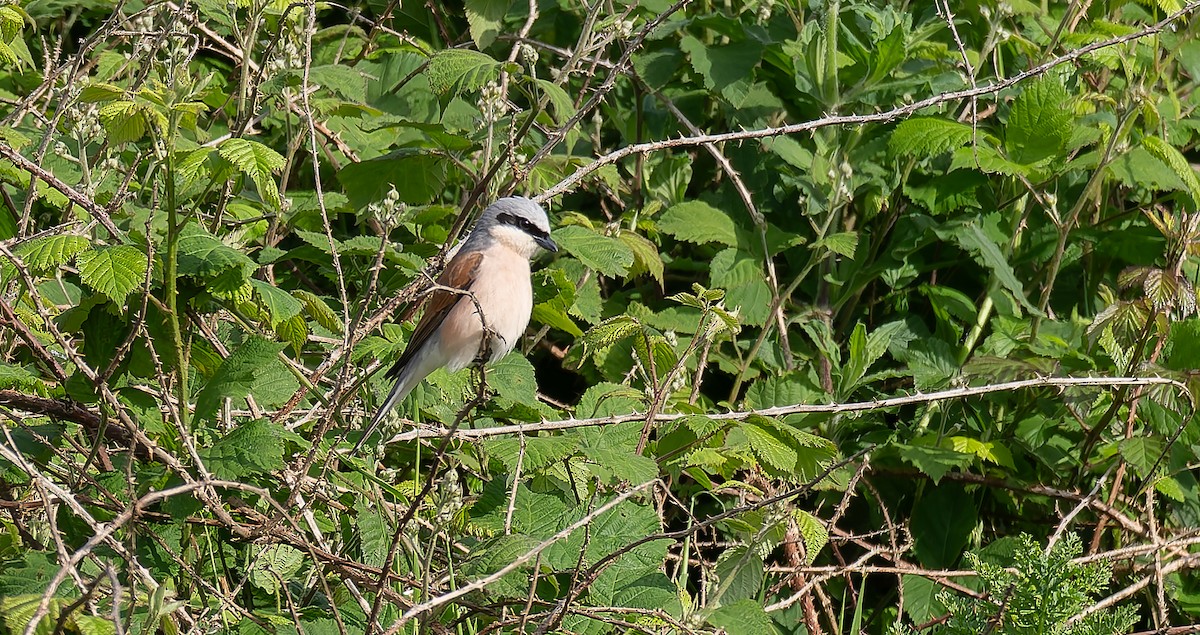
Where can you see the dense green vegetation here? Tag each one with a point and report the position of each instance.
(868, 317)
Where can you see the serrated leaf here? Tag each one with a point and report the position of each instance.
(320, 312)
(605, 254)
(252, 448)
(275, 564)
(418, 176)
(461, 70)
(1040, 123)
(203, 256)
(745, 283)
(512, 378)
(928, 136)
(1141, 452)
(113, 271)
(740, 575)
(841, 243)
(279, 304)
(294, 331)
(645, 256)
(484, 17)
(560, 101)
(239, 374)
(746, 617)
(539, 451)
(124, 121)
(970, 236)
(815, 535)
(1177, 163)
(98, 92)
(256, 161)
(698, 222)
(44, 255)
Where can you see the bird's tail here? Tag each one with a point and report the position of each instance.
(406, 380)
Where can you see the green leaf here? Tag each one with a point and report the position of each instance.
(203, 256)
(252, 448)
(841, 243)
(698, 222)
(970, 236)
(745, 283)
(921, 598)
(539, 451)
(1041, 121)
(739, 576)
(256, 161)
(485, 18)
(318, 310)
(418, 176)
(934, 461)
(124, 121)
(607, 255)
(925, 137)
(279, 304)
(113, 271)
(462, 70)
(1142, 452)
(942, 523)
(44, 255)
(815, 535)
(645, 256)
(93, 93)
(275, 564)
(726, 69)
(238, 375)
(512, 378)
(746, 617)
(1177, 163)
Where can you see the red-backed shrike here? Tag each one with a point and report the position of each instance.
(492, 267)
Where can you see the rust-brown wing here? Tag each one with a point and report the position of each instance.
(459, 274)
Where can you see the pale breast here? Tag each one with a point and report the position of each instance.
(504, 292)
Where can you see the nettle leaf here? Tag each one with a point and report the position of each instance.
(512, 378)
(1177, 163)
(461, 70)
(645, 256)
(253, 448)
(745, 284)
(273, 565)
(418, 176)
(44, 255)
(258, 162)
(279, 304)
(740, 573)
(203, 256)
(698, 222)
(22, 379)
(320, 312)
(1041, 121)
(745, 617)
(605, 254)
(239, 375)
(124, 121)
(113, 271)
(539, 451)
(925, 137)
(294, 331)
(485, 18)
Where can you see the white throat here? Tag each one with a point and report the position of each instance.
(515, 239)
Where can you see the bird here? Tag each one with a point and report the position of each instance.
(492, 269)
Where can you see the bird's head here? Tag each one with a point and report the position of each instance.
(518, 223)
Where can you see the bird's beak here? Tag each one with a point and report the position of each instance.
(545, 243)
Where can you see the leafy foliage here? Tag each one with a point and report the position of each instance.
(805, 350)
